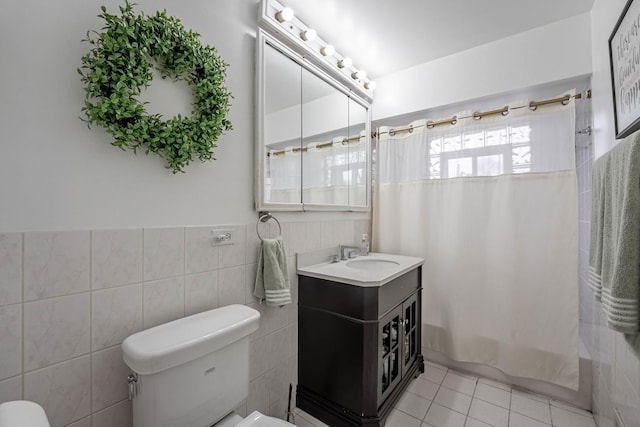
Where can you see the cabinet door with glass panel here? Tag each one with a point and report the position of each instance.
(410, 331)
(390, 368)
(398, 332)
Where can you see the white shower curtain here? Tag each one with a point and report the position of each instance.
(491, 205)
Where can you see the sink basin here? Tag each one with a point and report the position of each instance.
(372, 264)
(374, 269)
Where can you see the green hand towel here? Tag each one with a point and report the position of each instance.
(615, 257)
(272, 279)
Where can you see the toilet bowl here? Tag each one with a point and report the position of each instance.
(22, 413)
(192, 372)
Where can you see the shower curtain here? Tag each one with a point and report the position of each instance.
(491, 205)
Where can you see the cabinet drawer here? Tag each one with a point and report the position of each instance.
(399, 289)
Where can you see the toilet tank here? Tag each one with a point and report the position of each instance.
(192, 371)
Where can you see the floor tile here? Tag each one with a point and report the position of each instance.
(471, 422)
(489, 413)
(452, 399)
(310, 418)
(530, 395)
(531, 408)
(413, 405)
(439, 416)
(564, 418)
(570, 408)
(497, 384)
(303, 422)
(436, 365)
(433, 374)
(460, 382)
(517, 420)
(493, 395)
(423, 388)
(400, 419)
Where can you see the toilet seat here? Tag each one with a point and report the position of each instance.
(256, 419)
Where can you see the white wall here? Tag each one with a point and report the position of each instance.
(546, 54)
(57, 174)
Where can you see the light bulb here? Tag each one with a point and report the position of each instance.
(284, 15)
(308, 35)
(371, 85)
(345, 63)
(328, 50)
(360, 74)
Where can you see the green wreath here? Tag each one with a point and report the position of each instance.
(120, 63)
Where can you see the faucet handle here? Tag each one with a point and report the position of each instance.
(334, 258)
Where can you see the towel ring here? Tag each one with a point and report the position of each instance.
(264, 217)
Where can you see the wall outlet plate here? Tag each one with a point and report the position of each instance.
(223, 236)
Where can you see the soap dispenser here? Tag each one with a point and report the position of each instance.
(364, 245)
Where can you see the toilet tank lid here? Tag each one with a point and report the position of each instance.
(180, 341)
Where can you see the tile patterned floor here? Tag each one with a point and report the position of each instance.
(445, 398)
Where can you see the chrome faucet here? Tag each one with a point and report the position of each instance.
(342, 249)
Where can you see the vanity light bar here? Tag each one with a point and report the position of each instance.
(282, 19)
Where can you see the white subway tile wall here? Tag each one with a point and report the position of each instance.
(68, 300)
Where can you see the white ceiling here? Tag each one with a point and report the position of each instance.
(384, 36)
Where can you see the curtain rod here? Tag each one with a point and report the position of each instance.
(533, 105)
(321, 145)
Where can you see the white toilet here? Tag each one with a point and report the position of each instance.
(22, 413)
(194, 371)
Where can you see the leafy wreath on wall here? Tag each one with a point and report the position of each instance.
(120, 63)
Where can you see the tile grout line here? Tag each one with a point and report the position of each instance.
(91, 327)
(22, 262)
(184, 271)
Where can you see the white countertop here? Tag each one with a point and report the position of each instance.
(340, 272)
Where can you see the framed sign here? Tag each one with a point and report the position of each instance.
(624, 56)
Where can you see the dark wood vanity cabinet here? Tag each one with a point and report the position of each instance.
(358, 348)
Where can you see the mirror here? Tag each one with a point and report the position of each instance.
(282, 152)
(313, 136)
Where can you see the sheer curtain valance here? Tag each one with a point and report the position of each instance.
(520, 142)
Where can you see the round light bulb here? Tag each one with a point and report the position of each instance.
(328, 50)
(308, 35)
(345, 63)
(371, 85)
(284, 15)
(358, 75)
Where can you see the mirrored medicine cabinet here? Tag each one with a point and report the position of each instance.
(313, 135)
